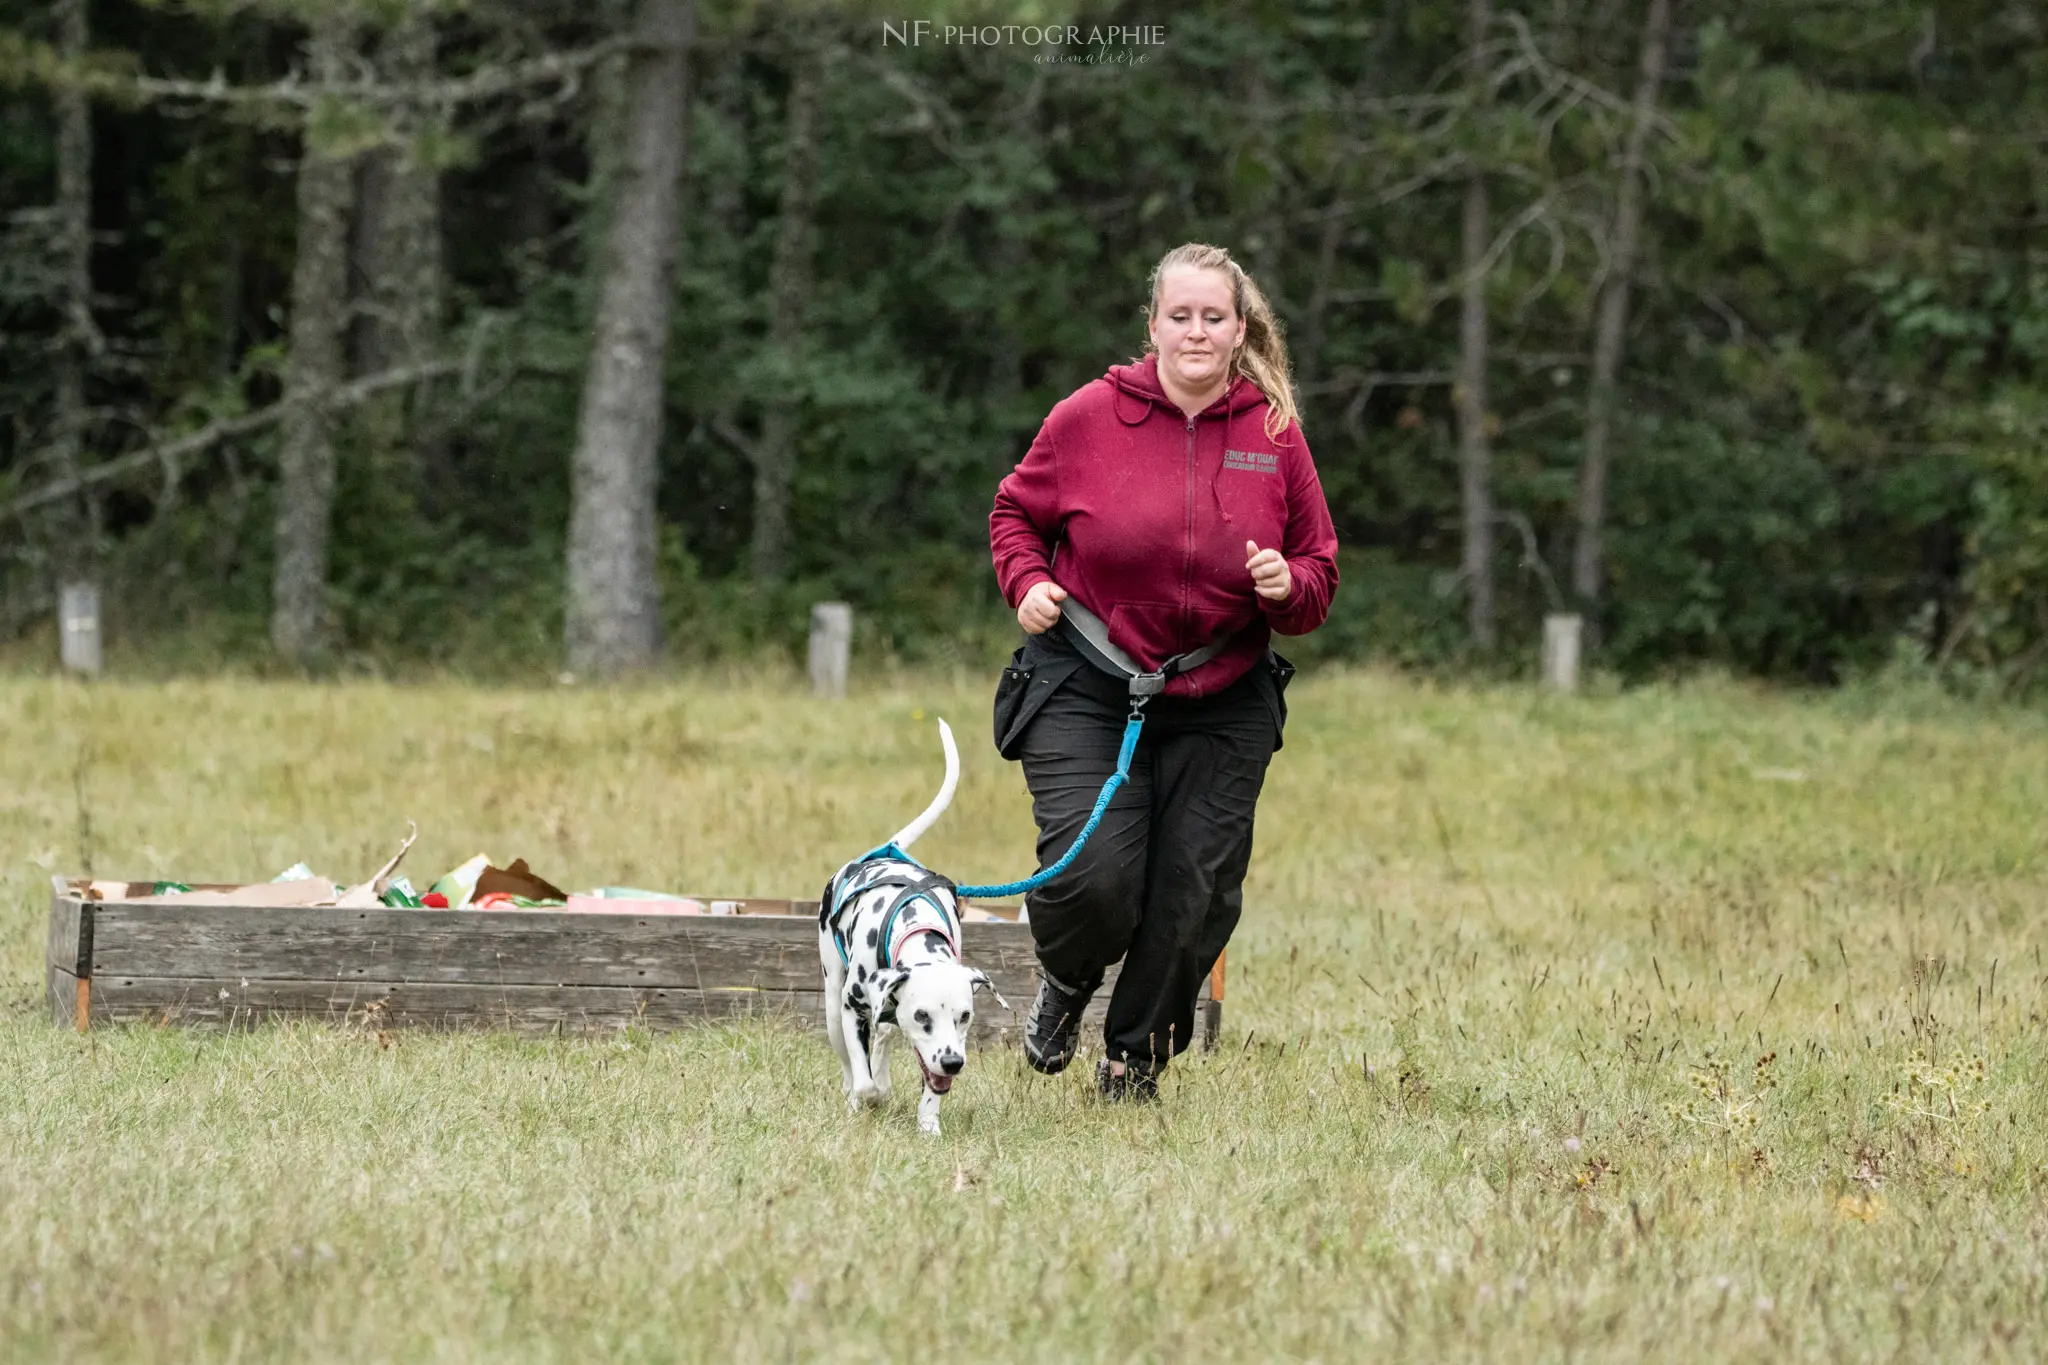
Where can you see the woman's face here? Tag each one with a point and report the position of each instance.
(1195, 326)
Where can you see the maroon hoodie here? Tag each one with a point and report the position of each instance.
(1142, 513)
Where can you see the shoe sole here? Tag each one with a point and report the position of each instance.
(1054, 1063)
(1049, 1066)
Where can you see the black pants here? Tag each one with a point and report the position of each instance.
(1160, 884)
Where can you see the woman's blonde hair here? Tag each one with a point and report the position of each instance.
(1262, 356)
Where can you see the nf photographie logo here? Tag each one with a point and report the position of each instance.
(1099, 43)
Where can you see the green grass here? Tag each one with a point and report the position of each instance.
(1493, 944)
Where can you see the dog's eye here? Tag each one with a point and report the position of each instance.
(965, 1016)
(923, 1020)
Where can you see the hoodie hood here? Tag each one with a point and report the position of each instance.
(1140, 380)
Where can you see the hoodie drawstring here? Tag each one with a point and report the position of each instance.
(1216, 479)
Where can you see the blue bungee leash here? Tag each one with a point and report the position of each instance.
(1116, 779)
(1091, 637)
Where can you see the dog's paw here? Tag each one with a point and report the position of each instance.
(928, 1125)
(863, 1094)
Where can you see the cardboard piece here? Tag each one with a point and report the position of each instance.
(307, 891)
(370, 894)
(517, 880)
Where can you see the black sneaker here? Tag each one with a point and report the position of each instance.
(1139, 1084)
(1053, 1031)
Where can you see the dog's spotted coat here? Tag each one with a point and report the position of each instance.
(914, 982)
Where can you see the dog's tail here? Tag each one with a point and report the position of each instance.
(908, 835)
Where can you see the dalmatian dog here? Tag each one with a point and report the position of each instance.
(889, 942)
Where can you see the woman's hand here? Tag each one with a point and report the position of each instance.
(1271, 578)
(1040, 609)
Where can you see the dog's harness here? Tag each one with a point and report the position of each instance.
(1091, 637)
(870, 874)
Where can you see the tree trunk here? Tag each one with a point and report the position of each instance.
(399, 221)
(398, 251)
(614, 608)
(1474, 445)
(77, 526)
(1589, 555)
(305, 494)
(789, 287)
(1010, 265)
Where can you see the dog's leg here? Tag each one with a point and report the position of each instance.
(879, 1067)
(928, 1112)
(859, 1054)
(835, 1022)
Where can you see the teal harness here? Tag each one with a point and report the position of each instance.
(910, 888)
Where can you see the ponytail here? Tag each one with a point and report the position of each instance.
(1262, 356)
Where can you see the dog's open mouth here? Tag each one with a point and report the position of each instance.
(938, 1082)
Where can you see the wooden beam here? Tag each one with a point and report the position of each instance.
(69, 942)
(233, 1002)
(492, 947)
(530, 971)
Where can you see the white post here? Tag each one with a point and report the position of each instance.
(78, 628)
(1561, 632)
(831, 638)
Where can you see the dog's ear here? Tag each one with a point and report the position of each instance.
(882, 988)
(979, 980)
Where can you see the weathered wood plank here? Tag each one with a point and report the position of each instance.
(491, 948)
(60, 997)
(529, 971)
(222, 1003)
(69, 944)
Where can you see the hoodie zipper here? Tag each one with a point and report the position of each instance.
(1187, 567)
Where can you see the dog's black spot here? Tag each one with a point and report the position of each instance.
(863, 973)
(874, 935)
(931, 945)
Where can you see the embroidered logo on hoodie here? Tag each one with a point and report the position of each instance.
(1252, 461)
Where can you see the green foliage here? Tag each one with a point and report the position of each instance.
(2006, 622)
(1829, 385)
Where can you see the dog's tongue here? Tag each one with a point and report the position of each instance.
(938, 1084)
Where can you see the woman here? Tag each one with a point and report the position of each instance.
(1176, 500)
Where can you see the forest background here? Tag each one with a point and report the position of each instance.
(514, 337)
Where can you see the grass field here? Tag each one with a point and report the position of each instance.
(1490, 1083)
